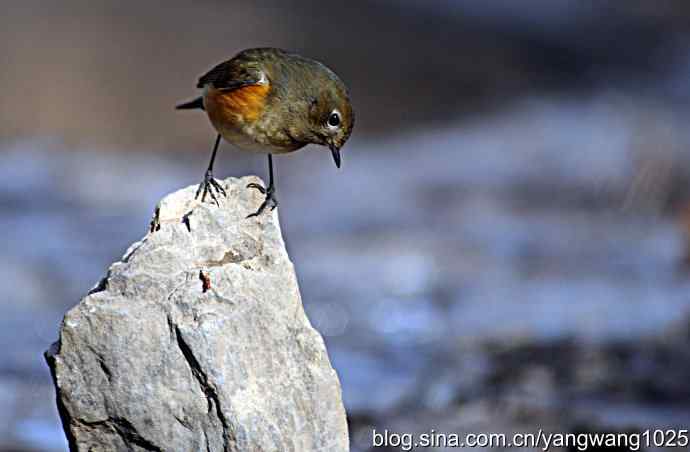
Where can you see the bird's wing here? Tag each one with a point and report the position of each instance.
(231, 75)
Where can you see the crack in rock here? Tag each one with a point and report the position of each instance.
(155, 224)
(124, 429)
(208, 389)
(230, 257)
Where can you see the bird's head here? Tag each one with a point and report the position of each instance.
(331, 116)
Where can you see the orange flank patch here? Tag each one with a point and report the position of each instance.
(240, 105)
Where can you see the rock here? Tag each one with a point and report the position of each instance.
(197, 340)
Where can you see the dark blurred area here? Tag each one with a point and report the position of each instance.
(504, 249)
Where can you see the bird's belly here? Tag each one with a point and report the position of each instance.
(240, 138)
(249, 139)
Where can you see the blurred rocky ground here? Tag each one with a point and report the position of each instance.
(505, 247)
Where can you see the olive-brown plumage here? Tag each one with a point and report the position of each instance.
(272, 101)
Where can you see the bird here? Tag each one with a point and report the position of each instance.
(272, 101)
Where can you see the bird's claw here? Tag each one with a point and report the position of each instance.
(258, 187)
(269, 199)
(207, 186)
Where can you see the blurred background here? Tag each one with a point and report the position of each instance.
(505, 247)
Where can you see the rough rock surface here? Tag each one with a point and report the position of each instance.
(197, 341)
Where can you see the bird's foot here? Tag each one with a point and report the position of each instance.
(270, 198)
(208, 186)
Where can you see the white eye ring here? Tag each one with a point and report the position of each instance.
(334, 120)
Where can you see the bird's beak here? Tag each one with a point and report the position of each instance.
(335, 151)
(336, 154)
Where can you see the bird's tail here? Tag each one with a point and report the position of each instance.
(197, 103)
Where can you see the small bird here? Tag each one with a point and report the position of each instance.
(272, 101)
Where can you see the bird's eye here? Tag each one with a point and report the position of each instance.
(334, 119)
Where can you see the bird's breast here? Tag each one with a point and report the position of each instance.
(237, 107)
(238, 115)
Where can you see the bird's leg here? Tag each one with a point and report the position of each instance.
(209, 183)
(269, 192)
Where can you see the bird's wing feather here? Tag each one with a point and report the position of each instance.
(231, 75)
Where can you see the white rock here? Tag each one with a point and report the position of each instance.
(149, 361)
